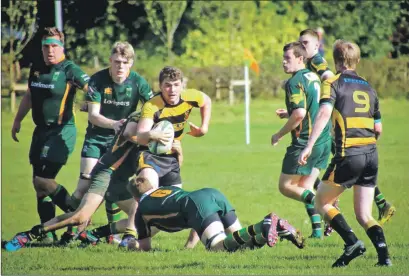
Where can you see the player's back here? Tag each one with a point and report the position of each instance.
(355, 108)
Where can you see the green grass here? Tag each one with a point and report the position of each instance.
(248, 175)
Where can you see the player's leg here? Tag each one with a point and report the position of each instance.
(385, 209)
(339, 176)
(363, 197)
(84, 181)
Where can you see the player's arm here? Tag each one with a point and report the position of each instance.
(377, 120)
(205, 104)
(297, 115)
(23, 109)
(324, 114)
(322, 69)
(96, 118)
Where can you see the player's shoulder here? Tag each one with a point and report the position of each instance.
(156, 102)
(332, 79)
(318, 59)
(68, 64)
(135, 76)
(101, 74)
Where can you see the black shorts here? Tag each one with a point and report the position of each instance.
(352, 170)
(166, 166)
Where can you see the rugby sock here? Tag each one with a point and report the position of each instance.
(315, 220)
(114, 214)
(317, 183)
(129, 232)
(308, 197)
(62, 198)
(379, 198)
(339, 224)
(375, 233)
(251, 236)
(45, 208)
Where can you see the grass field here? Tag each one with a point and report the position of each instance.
(248, 175)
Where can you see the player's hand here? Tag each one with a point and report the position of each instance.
(274, 139)
(84, 107)
(177, 148)
(160, 136)
(282, 113)
(117, 125)
(15, 129)
(196, 131)
(302, 159)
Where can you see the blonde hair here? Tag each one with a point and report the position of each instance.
(52, 31)
(346, 53)
(137, 186)
(124, 49)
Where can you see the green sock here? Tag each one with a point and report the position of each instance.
(379, 198)
(245, 236)
(114, 214)
(315, 219)
(308, 197)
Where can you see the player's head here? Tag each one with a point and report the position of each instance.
(52, 41)
(171, 84)
(310, 39)
(137, 186)
(121, 60)
(346, 55)
(293, 57)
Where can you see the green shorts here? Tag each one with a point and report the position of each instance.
(204, 203)
(318, 159)
(95, 145)
(53, 144)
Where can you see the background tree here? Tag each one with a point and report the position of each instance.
(17, 30)
(164, 18)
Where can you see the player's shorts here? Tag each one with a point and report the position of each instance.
(318, 159)
(166, 166)
(95, 145)
(110, 162)
(352, 170)
(205, 206)
(53, 144)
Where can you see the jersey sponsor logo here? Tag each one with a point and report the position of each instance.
(108, 90)
(355, 81)
(41, 85)
(113, 102)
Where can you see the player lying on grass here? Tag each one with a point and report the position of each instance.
(121, 156)
(207, 211)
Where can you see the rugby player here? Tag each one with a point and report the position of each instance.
(50, 96)
(208, 212)
(354, 107)
(113, 94)
(302, 96)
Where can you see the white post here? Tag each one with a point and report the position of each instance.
(247, 102)
(58, 14)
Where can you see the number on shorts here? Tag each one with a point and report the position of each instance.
(362, 98)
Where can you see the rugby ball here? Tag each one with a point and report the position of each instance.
(157, 147)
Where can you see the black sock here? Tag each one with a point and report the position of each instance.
(317, 183)
(37, 232)
(375, 233)
(343, 229)
(103, 231)
(45, 208)
(62, 198)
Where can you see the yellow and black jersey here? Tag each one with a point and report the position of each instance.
(356, 110)
(158, 110)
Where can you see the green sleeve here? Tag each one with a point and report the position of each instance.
(93, 94)
(78, 77)
(145, 91)
(296, 96)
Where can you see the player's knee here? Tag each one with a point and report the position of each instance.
(363, 219)
(282, 187)
(216, 243)
(85, 176)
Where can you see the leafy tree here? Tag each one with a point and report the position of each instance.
(368, 23)
(164, 18)
(226, 28)
(17, 31)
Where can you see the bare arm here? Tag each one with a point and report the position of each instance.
(205, 113)
(23, 109)
(378, 130)
(324, 114)
(293, 121)
(98, 119)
